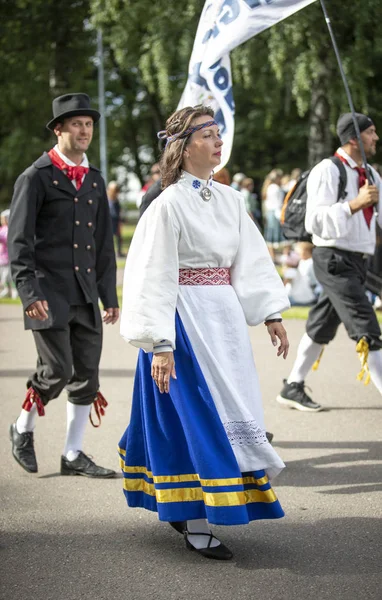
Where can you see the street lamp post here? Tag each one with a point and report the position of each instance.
(101, 104)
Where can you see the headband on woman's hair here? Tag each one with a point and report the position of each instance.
(163, 135)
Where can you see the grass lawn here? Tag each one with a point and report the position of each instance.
(301, 312)
(297, 312)
(10, 301)
(121, 263)
(127, 234)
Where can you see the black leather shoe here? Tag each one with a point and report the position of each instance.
(83, 465)
(269, 436)
(179, 526)
(23, 449)
(220, 552)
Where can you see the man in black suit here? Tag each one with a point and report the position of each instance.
(62, 260)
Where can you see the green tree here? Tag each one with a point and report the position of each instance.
(147, 49)
(287, 86)
(301, 50)
(44, 51)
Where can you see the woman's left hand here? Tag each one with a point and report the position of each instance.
(277, 330)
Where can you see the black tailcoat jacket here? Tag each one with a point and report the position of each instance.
(60, 243)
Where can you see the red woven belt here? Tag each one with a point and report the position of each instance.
(216, 276)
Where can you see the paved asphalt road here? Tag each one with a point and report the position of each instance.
(71, 538)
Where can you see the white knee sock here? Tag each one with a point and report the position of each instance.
(200, 541)
(77, 418)
(307, 354)
(375, 367)
(27, 419)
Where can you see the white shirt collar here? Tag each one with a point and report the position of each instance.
(67, 161)
(349, 159)
(195, 182)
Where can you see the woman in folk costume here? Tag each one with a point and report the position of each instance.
(198, 271)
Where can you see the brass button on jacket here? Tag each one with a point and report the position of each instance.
(90, 224)
(77, 223)
(88, 270)
(76, 268)
(90, 201)
(75, 246)
(75, 199)
(88, 247)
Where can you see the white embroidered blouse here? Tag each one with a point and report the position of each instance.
(181, 230)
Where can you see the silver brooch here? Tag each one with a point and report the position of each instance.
(205, 194)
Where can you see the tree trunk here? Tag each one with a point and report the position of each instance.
(134, 147)
(320, 139)
(58, 75)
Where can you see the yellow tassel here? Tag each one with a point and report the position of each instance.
(317, 363)
(363, 350)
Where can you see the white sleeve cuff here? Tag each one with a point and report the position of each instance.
(274, 316)
(347, 209)
(163, 346)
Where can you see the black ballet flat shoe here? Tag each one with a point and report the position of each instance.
(220, 552)
(179, 526)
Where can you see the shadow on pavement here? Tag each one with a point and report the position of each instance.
(359, 468)
(335, 408)
(52, 475)
(25, 373)
(92, 558)
(324, 547)
(10, 319)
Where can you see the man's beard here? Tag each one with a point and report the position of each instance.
(370, 152)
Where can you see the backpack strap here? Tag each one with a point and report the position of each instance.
(287, 196)
(343, 177)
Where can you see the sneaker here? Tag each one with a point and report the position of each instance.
(294, 395)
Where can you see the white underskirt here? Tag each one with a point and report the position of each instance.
(216, 327)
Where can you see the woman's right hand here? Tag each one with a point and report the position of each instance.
(162, 367)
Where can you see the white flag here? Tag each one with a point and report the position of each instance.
(223, 25)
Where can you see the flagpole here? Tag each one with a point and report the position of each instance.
(348, 94)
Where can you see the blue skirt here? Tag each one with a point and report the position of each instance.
(175, 456)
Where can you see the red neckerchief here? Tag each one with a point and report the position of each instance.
(369, 210)
(76, 173)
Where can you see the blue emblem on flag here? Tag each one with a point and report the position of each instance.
(196, 184)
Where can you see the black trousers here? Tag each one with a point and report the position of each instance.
(342, 275)
(69, 358)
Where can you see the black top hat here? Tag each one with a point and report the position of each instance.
(72, 105)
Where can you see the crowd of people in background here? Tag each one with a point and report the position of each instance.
(7, 288)
(113, 191)
(263, 201)
(293, 260)
(264, 205)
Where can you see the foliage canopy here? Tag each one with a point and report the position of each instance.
(287, 86)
